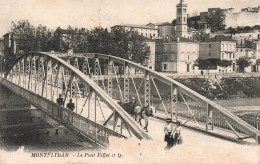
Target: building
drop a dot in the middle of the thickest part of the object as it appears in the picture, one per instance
(251, 9)
(220, 48)
(1, 47)
(146, 31)
(181, 20)
(9, 45)
(164, 29)
(256, 48)
(204, 26)
(176, 55)
(151, 60)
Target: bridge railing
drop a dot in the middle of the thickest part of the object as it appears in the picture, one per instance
(96, 133)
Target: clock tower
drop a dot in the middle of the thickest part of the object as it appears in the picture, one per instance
(181, 25)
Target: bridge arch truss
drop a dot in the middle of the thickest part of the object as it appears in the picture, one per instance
(122, 79)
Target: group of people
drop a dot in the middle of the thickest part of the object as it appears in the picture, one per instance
(70, 105)
(172, 134)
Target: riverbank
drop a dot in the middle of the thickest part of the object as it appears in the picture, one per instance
(36, 132)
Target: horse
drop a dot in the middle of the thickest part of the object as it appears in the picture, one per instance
(143, 112)
(128, 107)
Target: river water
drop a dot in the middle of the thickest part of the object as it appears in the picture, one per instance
(36, 131)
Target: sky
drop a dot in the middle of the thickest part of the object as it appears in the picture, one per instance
(104, 13)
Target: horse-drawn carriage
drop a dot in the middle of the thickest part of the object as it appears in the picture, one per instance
(138, 112)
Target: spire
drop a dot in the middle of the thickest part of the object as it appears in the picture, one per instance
(181, 1)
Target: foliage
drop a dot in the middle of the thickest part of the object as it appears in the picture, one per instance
(23, 33)
(216, 21)
(224, 63)
(206, 63)
(232, 30)
(250, 86)
(243, 62)
(125, 44)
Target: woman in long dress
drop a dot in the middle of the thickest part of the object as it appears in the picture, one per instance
(177, 134)
(168, 128)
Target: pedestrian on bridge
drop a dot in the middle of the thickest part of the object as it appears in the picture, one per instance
(60, 100)
(168, 129)
(70, 105)
(177, 134)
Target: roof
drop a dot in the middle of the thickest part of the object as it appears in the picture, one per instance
(220, 38)
(164, 24)
(135, 26)
(173, 39)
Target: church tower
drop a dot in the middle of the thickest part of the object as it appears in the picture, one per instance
(181, 25)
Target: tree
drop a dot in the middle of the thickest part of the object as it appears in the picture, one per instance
(224, 63)
(206, 64)
(124, 44)
(216, 21)
(243, 62)
(24, 35)
(232, 30)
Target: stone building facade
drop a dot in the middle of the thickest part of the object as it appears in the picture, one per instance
(176, 55)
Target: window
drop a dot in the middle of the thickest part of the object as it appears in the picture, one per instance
(230, 56)
(164, 66)
(184, 19)
(222, 46)
(209, 54)
(179, 10)
(188, 57)
(209, 45)
(226, 47)
(222, 55)
(179, 19)
(241, 50)
(184, 10)
(233, 56)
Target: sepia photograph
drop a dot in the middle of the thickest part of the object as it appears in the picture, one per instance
(130, 81)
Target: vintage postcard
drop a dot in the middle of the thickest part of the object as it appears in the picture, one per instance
(120, 81)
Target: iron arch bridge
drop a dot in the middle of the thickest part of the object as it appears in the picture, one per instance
(95, 82)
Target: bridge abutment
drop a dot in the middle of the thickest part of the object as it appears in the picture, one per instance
(8, 100)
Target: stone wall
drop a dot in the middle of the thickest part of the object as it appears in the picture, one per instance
(242, 19)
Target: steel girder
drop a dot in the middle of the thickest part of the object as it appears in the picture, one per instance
(176, 88)
(46, 67)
